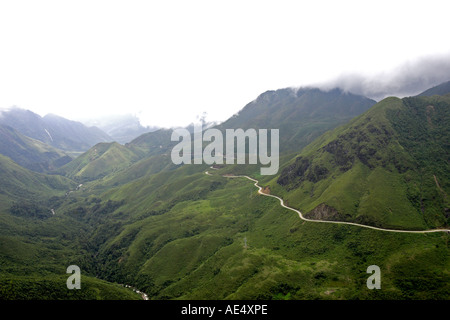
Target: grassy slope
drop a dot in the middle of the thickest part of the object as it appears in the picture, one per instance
(34, 255)
(99, 161)
(36, 246)
(368, 172)
(300, 115)
(181, 234)
(113, 164)
(442, 89)
(19, 183)
(195, 250)
(54, 288)
(152, 143)
(29, 153)
(194, 247)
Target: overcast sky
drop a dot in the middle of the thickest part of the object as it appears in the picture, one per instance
(170, 61)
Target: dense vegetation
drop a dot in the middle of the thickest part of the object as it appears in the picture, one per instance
(54, 288)
(29, 153)
(175, 232)
(388, 167)
(301, 115)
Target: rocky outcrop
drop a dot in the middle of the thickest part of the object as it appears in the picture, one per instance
(325, 212)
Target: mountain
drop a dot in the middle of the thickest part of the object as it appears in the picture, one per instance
(183, 234)
(20, 184)
(192, 232)
(53, 288)
(152, 143)
(53, 130)
(73, 135)
(301, 115)
(100, 160)
(121, 128)
(120, 162)
(37, 241)
(388, 167)
(30, 153)
(442, 89)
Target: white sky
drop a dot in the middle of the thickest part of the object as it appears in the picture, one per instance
(169, 61)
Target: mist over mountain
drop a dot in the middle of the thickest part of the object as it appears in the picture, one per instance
(53, 130)
(121, 128)
(409, 79)
(442, 89)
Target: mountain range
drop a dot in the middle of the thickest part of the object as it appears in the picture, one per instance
(302, 114)
(388, 167)
(30, 153)
(124, 213)
(121, 128)
(53, 130)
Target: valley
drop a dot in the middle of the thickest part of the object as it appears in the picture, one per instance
(360, 183)
(328, 221)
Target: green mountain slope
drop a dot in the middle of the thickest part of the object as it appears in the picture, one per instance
(176, 232)
(100, 160)
(20, 184)
(143, 168)
(54, 288)
(38, 241)
(388, 167)
(182, 234)
(300, 115)
(112, 164)
(152, 143)
(442, 89)
(187, 235)
(29, 153)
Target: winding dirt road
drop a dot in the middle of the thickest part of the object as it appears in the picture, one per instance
(328, 221)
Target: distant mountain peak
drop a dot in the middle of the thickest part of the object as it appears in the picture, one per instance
(301, 114)
(441, 89)
(269, 95)
(52, 115)
(53, 130)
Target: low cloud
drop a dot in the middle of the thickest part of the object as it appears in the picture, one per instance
(6, 109)
(408, 79)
